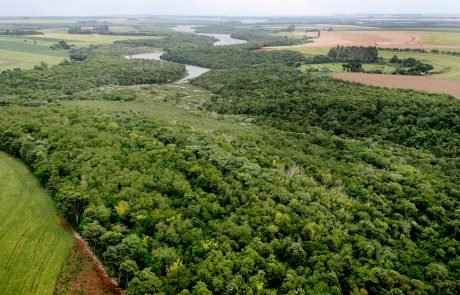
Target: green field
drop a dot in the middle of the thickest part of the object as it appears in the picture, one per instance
(337, 67)
(33, 244)
(26, 51)
(447, 65)
(176, 104)
(441, 37)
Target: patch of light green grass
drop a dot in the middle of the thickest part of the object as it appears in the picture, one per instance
(33, 244)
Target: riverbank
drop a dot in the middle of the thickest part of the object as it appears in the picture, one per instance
(192, 71)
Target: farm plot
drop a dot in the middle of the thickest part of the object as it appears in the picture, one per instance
(26, 51)
(428, 84)
(33, 244)
(421, 39)
(446, 66)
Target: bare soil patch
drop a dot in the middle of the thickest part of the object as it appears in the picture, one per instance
(428, 84)
(384, 39)
(83, 273)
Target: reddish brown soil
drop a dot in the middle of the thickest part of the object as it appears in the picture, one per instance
(384, 39)
(428, 84)
(83, 273)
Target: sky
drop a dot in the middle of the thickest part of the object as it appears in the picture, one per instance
(223, 7)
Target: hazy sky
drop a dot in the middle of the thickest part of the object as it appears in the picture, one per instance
(222, 7)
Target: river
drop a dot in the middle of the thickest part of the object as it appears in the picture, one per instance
(192, 71)
(224, 39)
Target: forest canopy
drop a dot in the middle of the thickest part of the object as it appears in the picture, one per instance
(313, 185)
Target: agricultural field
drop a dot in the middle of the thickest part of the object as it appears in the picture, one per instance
(33, 244)
(83, 40)
(368, 36)
(337, 67)
(428, 84)
(447, 66)
(26, 51)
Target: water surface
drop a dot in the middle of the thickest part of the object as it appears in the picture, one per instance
(192, 71)
(224, 39)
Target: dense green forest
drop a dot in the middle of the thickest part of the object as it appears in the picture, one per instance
(360, 54)
(64, 80)
(307, 212)
(294, 101)
(334, 187)
(173, 40)
(219, 57)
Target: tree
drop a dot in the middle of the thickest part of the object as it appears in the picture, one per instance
(92, 233)
(353, 67)
(145, 282)
(72, 203)
(201, 289)
(410, 62)
(128, 268)
(395, 59)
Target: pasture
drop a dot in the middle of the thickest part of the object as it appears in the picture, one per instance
(448, 66)
(173, 103)
(23, 52)
(26, 51)
(33, 244)
(337, 67)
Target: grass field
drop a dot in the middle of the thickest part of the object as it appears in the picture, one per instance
(84, 39)
(26, 51)
(440, 37)
(337, 67)
(174, 104)
(447, 65)
(33, 244)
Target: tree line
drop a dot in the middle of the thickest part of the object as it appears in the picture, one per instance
(419, 50)
(19, 32)
(354, 54)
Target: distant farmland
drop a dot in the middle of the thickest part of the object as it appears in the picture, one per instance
(427, 84)
(26, 51)
(33, 244)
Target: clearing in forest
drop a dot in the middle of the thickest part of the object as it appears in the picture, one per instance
(33, 244)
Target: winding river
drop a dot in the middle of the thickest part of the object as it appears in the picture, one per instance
(224, 39)
(192, 71)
